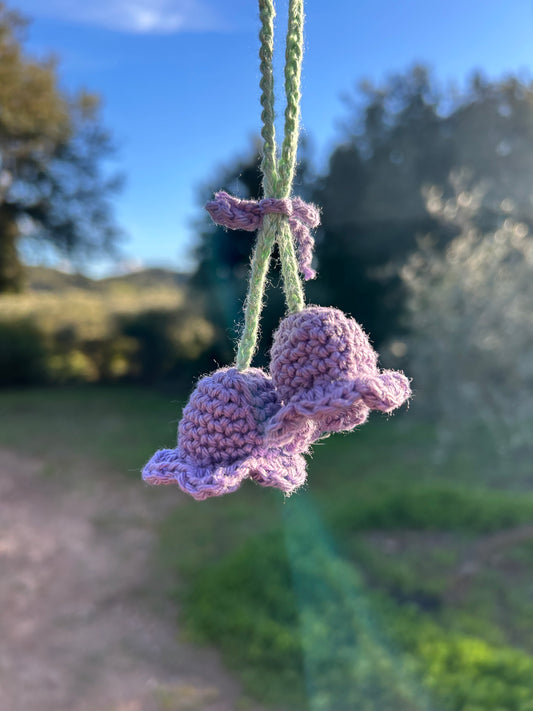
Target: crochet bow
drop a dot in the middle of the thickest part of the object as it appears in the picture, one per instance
(237, 214)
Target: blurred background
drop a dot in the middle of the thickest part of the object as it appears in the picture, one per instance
(401, 577)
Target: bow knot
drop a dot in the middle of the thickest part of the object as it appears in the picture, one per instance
(237, 214)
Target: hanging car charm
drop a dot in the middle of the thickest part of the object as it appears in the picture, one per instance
(241, 422)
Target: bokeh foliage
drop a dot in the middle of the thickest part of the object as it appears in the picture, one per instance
(54, 186)
(107, 331)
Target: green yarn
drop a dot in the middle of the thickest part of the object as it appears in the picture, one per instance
(293, 73)
(256, 290)
(267, 234)
(277, 180)
(266, 84)
(292, 284)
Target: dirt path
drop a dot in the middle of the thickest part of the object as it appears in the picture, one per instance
(84, 626)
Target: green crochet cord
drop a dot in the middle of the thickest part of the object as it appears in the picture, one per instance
(293, 70)
(277, 180)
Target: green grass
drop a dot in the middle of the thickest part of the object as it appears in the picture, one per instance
(116, 425)
(425, 506)
(306, 631)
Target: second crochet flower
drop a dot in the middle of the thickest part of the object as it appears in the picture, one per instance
(326, 374)
(221, 439)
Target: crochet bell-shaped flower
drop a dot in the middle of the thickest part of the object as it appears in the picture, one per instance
(221, 439)
(326, 374)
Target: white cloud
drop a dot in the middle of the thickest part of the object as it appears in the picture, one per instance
(133, 16)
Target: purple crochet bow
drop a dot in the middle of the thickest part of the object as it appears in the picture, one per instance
(237, 214)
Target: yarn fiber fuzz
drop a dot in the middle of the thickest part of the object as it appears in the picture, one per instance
(221, 439)
(326, 373)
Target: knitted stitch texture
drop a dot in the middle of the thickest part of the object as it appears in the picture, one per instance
(326, 374)
(221, 439)
(237, 214)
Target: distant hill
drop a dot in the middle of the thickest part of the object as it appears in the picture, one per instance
(45, 279)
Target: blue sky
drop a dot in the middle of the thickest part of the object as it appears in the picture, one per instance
(179, 82)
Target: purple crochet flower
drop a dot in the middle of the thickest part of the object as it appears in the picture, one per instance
(326, 373)
(221, 439)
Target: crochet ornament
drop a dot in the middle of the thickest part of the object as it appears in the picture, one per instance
(241, 422)
(326, 374)
(221, 439)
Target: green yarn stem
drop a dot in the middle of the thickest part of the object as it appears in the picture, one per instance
(267, 14)
(292, 284)
(293, 73)
(267, 234)
(256, 290)
(276, 183)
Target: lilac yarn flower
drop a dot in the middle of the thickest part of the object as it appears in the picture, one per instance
(221, 439)
(327, 376)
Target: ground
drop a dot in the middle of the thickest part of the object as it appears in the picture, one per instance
(86, 623)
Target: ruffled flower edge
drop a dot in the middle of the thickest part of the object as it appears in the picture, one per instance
(338, 406)
(268, 467)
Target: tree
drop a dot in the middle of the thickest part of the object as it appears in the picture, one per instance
(471, 324)
(52, 183)
(401, 137)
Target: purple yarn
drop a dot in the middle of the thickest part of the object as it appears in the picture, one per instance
(238, 214)
(221, 439)
(326, 374)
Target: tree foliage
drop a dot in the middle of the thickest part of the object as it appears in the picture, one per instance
(471, 325)
(53, 185)
(402, 137)
(399, 138)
